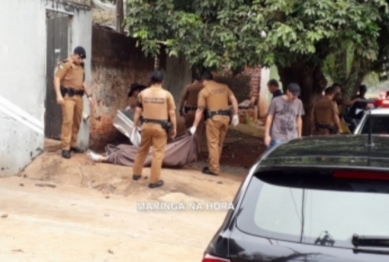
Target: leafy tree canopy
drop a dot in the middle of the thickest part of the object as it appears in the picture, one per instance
(218, 33)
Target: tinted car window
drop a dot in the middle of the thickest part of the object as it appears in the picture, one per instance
(380, 125)
(319, 211)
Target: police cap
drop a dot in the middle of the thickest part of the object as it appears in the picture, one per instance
(79, 50)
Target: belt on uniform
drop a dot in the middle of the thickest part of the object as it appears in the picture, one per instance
(166, 124)
(220, 113)
(154, 121)
(71, 91)
(330, 128)
(190, 108)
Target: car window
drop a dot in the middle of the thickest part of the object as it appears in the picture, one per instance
(379, 125)
(325, 211)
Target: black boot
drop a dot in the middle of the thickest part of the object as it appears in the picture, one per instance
(155, 185)
(207, 171)
(136, 177)
(76, 150)
(66, 154)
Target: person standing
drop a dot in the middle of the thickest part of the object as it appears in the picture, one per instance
(188, 106)
(132, 97)
(284, 119)
(274, 88)
(325, 115)
(214, 98)
(159, 121)
(70, 86)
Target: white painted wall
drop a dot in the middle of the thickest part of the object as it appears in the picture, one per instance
(23, 77)
(23, 80)
(264, 101)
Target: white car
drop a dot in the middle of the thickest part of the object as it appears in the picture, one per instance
(379, 124)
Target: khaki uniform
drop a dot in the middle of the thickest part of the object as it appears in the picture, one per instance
(71, 76)
(190, 96)
(323, 116)
(214, 97)
(156, 103)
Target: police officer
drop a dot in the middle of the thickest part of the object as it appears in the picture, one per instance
(159, 121)
(325, 115)
(214, 98)
(188, 106)
(70, 86)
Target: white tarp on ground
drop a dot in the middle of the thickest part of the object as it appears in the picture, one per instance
(123, 122)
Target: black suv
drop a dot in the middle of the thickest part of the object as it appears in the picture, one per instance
(311, 199)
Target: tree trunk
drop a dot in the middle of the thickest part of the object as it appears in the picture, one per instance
(178, 74)
(312, 82)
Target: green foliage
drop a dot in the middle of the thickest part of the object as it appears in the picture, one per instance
(227, 33)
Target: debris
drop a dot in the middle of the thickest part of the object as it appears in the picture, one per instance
(18, 250)
(25, 176)
(146, 177)
(4, 216)
(219, 182)
(21, 185)
(46, 185)
(107, 197)
(106, 215)
(110, 251)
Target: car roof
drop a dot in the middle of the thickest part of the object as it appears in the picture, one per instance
(379, 111)
(342, 151)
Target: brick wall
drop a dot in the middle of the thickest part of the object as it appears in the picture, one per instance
(243, 83)
(116, 64)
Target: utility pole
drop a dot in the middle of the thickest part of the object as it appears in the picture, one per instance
(119, 16)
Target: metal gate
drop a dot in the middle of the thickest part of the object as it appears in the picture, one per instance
(58, 31)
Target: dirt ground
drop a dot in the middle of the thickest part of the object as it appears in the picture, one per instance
(77, 210)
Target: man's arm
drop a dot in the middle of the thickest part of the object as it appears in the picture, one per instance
(299, 119)
(234, 103)
(88, 93)
(59, 75)
(172, 115)
(57, 84)
(336, 118)
(138, 112)
(199, 116)
(312, 119)
(299, 126)
(183, 100)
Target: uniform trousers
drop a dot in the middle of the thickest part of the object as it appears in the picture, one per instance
(71, 120)
(216, 130)
(152, 135)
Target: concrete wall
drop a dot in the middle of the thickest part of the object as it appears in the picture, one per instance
(116, 64)
(23, 82)
(23, 77)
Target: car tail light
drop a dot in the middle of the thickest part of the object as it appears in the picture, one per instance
(209, 258)
(381, 103)
(361, 175)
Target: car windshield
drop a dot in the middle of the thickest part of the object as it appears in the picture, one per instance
(314, 208)
(379, 125)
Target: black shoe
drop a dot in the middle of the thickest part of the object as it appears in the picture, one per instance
(209, 172)
(66, 154)
(205, 168)
(76, 150)
(136, 177)
(155, 185)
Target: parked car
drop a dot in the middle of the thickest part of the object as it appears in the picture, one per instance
(313, 199)
(353, 116)
(379, 124)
